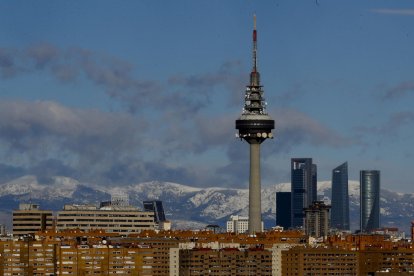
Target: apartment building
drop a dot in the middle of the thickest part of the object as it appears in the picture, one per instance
(226, 261)
(337, 261)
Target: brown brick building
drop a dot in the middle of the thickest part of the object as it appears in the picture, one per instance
(227, 261)
(335, 261)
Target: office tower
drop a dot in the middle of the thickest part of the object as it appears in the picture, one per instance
(283, 207)
(156, 207)
(340, 198)
(29, 219)
(314, 186)
(317, 219)
(370, 198)
(303, 188)
(254, 126)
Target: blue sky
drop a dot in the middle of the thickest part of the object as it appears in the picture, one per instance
(120, 92)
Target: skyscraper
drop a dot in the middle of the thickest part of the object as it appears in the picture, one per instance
(340, 198)
(156, 207)
(303, 188)
(283, 207)
(314, 186)
(254, 126)
(370, 198)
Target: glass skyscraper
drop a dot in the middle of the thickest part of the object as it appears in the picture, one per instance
(156, 207)
(370, 198)
(303, 188)
(340, 198)
(283, 209)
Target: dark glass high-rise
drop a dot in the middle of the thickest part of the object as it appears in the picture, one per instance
(370, 199)
(283, 209)
(156, 207)
(303, 188)
(340, 198)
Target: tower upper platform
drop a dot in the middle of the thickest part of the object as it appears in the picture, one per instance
(254, 125)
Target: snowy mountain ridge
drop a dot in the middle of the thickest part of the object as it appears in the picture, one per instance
(185, 203)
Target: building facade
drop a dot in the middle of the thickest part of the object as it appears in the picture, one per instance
(303, 189)
(153, 253)
(111, 219)
(317, 219)
(237, 224)
(370, 200)
(339, 261)
(47, 257)
(226, 261)
(283, 209)
(319, 261)
(340, 198)
(30, 219)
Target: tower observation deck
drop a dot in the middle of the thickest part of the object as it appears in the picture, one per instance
(254, 126)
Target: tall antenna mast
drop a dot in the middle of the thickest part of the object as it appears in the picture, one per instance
(254, 45)
(254, 126)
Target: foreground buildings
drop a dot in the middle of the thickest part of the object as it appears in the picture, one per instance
(76, 252)
(226, 261)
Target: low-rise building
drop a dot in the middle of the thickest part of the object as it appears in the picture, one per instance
(238, 224)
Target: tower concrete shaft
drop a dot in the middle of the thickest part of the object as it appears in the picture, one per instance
(254, 126)
(255, 208)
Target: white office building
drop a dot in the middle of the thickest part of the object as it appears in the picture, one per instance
(238, 224)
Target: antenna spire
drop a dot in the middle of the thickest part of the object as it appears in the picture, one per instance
(254, 21)
(254, 75)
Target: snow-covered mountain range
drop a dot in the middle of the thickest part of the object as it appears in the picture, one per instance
(186, 206)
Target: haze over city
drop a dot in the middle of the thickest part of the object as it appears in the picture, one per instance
(126, 92)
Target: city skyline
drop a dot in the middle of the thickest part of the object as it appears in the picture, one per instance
(115, 94)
